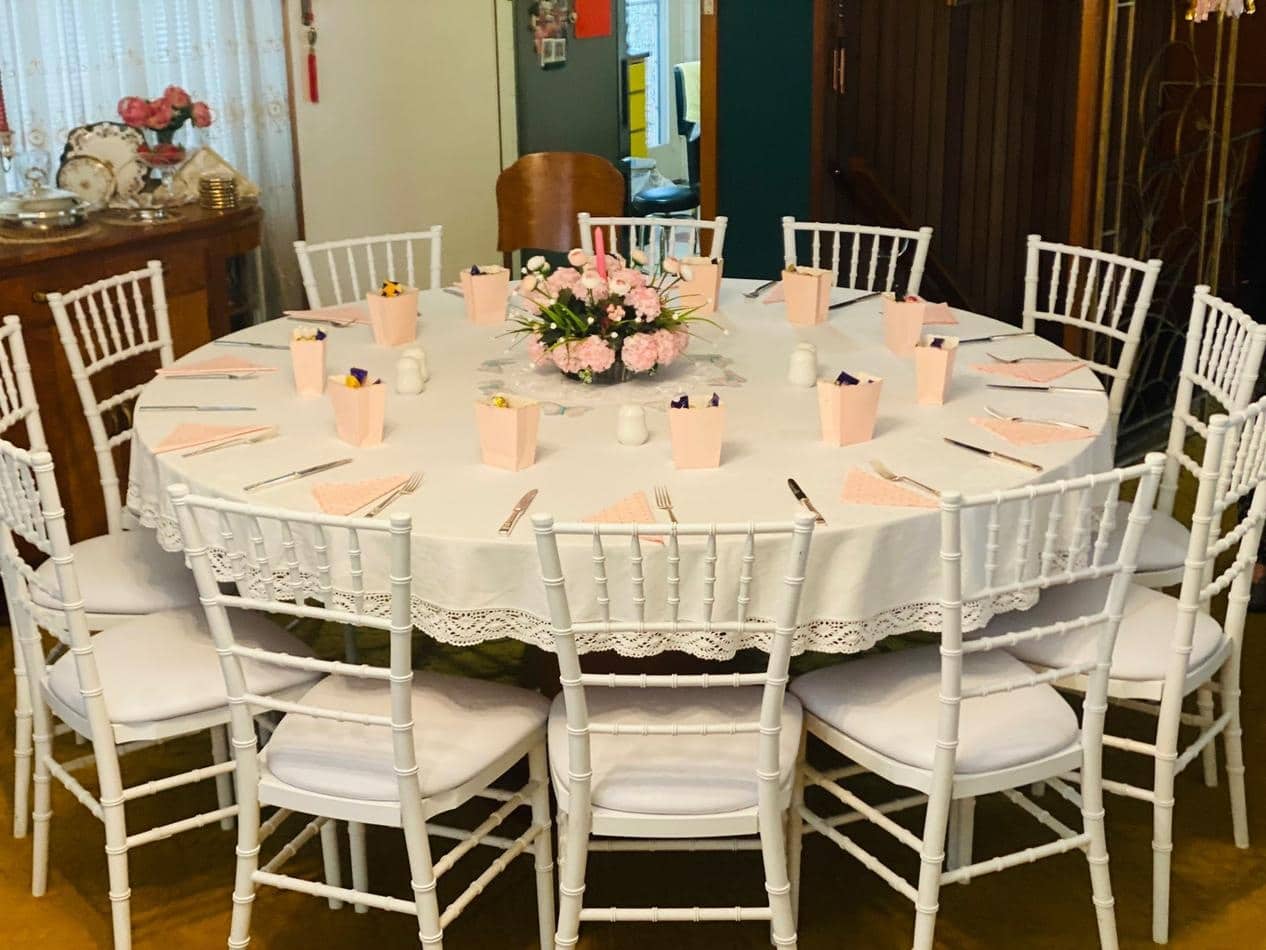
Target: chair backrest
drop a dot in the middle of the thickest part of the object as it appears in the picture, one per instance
(539, 196)
(17, 392)
(658, 237)
(102, 325)
(734, 545)
(873, 259)
(1220, 366)
(262, 545)
(1092, 291)
(31, 509)
(1036, 538)
(686, 88)
(346, 270)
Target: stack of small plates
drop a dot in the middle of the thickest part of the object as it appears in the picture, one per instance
(218, 192)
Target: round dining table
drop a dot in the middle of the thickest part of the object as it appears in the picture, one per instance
(874, 569)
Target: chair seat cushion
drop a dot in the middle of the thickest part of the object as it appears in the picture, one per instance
(460, 727)
(673, 775)
(1143, 639)
(1165, 541)
(162, 666)
(666, 198)
(123, 573)
(890, 703)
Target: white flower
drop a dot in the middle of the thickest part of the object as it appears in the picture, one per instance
(619, 287)
(614, 334)
(553, 326)
(639, 256)
(529, 283)
(577, 258)
(687, 273)
(591, 321)
(591, 280)
(671, 265)
(537, 264)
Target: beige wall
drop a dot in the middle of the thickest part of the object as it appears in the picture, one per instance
(406, 132)
(683, 46)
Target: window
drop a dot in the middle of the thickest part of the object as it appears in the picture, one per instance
(646, 26)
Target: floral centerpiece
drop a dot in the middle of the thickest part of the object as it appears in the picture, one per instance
(164, 116)
(603, 318)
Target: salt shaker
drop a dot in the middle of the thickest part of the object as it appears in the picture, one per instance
(409, 378)
(418, 355)
(631, 428)
(802, 370)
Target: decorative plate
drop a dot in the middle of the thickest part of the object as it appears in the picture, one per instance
(115, 144)
(88, 177)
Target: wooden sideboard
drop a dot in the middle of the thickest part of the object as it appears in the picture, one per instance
(196, 252)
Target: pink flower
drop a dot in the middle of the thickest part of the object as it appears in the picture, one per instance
(665, 346)
(537, 351)
(682, 339)
(645, 301)
(634, 278)
(134, 111)
(615, 313)
(565, 278)
(671, 265)
(640, 352)
(201, 115)
(160, 114)
(176, 97)
(577, 258)
(566, 357)
(596, 354)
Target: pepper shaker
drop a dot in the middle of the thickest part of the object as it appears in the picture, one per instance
(631, 427)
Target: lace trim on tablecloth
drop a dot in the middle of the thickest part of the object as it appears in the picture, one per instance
(470, 627)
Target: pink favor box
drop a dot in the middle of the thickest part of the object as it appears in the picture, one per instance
(307, 360)
(487, 296)
(807, 291)
(358, 413)
(848, 412)
(697, 435)
(903, 325)
(394, 319)
(702, 291)
(507, 435)
(933, 367)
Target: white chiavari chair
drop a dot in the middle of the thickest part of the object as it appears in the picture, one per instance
(1169, 648)
(860, 256)
(18, 405)
(124, 689)
(1091, 291)
(658, 237)
(965, 718)
(674, 762)
(367, 744)
(107, 326)
(350, 268)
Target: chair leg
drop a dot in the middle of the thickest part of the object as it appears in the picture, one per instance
(247, 852)
(23, 748)
(360, 862)
(351, 649)
(1209, 755)
(330, 858)
(571, 876)
(777, 885)
(962, 830)
(117, 864)
(538, 769)
(562, 850)
(422, 878)
(795, 831)
(1234, 749)
(42, 812)
(1092, 816)
(1162, 846)
(223, 783)
(931, 862)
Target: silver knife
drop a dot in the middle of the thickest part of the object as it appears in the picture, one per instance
(1000, 456)
(848, 303)
(804, 499)
(516, 513)
(268, 433)
(295, 475)
(260, 346)
(1042, 388)
(996, 336)
(197, 408)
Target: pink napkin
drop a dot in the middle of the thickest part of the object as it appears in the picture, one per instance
(635, 509)
(1032, 371)
(863, 488)
(1031, 433)
(342, 498)
(775, 294)
(340, 316)
(215, 366)
(192, 435)
(939, 316)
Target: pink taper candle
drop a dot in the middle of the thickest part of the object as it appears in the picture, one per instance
(600, 252)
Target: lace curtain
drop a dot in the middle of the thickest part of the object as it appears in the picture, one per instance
(65, 63)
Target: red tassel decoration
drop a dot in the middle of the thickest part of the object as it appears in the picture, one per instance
(312, 78)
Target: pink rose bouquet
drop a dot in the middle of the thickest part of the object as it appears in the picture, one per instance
(599, 321)
(165, 116)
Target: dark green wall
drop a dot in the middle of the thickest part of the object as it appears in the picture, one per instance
(764, 108)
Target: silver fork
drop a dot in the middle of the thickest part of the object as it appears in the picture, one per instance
(408, 488)
(884, 472)
(664, 502)
(1047, 422)
(1031, 359)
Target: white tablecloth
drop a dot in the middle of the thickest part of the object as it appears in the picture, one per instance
(873, 571)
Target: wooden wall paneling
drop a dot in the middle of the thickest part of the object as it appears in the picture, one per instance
(708, 65)
(1000, 201)
(822, 134)
(922, 86)
(900, 113)
(939, 93)
(1090, 36)
(864, 47)
(951, 195)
